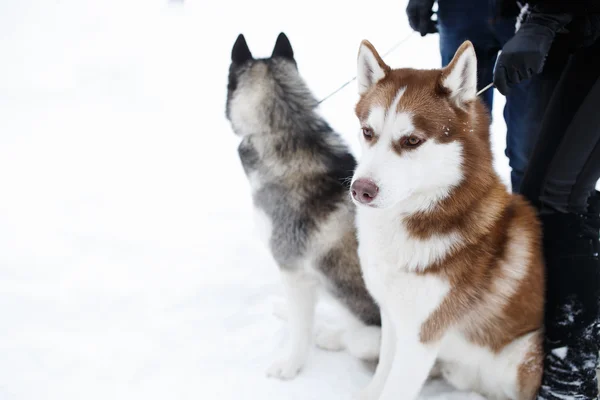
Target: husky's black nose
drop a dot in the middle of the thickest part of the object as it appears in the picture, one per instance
(364, 190)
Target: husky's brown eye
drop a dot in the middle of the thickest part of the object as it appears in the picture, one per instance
(412, 141)
(367, 133)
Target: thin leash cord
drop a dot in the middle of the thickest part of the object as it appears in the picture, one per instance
(353, 79)
(485, 89)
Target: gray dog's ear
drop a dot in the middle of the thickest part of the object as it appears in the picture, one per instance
(240, 52)
(283, 47)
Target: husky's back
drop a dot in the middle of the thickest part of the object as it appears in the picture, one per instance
(299, 171)
(270, 106)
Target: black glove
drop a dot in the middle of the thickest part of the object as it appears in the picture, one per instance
(524, 55)
(419, 16)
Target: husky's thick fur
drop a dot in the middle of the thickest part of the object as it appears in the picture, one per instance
(299, 172)
(452, 259)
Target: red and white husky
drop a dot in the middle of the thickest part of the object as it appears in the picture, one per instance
(452, 258)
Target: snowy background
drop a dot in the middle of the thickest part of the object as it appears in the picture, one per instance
(129, 268)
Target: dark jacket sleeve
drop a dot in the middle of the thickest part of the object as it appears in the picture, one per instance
(584, 29)
(576, 7)
(507, 8)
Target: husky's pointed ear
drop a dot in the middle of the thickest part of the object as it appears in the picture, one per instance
(283, 47)
(371, 67)
(240, 52)
(459, 77)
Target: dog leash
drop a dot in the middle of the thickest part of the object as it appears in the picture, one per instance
(490, 85)
(353, 79)
(485, 89)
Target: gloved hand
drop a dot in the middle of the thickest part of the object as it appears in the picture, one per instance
(524, 55)
(419, 16)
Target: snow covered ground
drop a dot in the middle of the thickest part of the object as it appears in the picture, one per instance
(128, 264)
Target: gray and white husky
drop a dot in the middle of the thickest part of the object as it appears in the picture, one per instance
(299, 171)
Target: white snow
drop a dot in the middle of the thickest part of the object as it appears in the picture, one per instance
(129, 268)
(560, 352)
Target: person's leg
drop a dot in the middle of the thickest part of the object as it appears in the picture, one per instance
(522, 128)
(522, 112)
(575, 168)
(572, 264)
(563, 170)
(460, 20)
(555, 97)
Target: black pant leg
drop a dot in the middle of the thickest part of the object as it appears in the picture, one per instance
(563, 170)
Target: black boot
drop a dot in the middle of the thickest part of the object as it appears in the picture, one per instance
(572, 307)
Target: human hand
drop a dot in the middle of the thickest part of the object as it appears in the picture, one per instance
(525, 54)
(419, 16)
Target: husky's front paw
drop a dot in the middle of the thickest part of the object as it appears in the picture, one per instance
(285, 369)
(329, 339)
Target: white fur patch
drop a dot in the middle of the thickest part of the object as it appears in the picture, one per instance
(252, 94)
(385, 239)
(363, 341)
(468, 366)
(255, 181)
(368, 70)
(300, 290)
(406, 301)
(402, 124)
(515, 267)
(244, 118)
(330, 339)
(397, 124)
(462, 77)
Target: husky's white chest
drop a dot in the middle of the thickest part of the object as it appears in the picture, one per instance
(385, 241)
(378, 255)
(390, 256)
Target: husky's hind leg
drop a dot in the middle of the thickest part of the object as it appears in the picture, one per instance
(300, 291)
